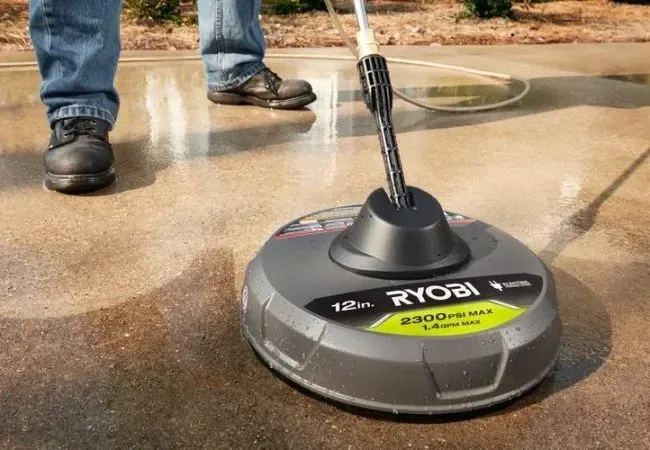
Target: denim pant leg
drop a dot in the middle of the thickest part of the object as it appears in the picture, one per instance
(232, 41)
(77, 46)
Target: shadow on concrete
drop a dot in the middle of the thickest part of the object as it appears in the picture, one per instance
(639, 78)
(579, 223)
(573, 309)
(546, 94)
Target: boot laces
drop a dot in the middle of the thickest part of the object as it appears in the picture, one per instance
(78, 126)
(271, 80)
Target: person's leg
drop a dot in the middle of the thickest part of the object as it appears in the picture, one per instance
(233, 47)
(77, 46)
(232, 42)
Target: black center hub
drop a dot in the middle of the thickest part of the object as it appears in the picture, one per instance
(407, 243)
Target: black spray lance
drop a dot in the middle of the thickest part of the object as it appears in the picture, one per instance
(378, 96)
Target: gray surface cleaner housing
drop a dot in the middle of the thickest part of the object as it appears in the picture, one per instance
(396, 305)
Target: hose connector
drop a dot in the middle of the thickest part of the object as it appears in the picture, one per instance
(367, 43)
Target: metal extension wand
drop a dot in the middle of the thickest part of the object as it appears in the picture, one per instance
(378, 96)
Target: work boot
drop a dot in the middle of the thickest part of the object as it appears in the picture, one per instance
(79, 158)
(268, 90)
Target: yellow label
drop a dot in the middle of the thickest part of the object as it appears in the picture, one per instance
(454, 320)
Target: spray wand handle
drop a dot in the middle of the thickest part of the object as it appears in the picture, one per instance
(378, 97)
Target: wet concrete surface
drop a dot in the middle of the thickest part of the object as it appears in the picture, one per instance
(118, 310)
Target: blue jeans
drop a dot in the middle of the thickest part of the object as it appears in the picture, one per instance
(77, 46)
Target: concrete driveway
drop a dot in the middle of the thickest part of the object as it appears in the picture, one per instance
(118, 310)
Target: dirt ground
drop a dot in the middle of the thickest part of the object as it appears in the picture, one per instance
(397, 23)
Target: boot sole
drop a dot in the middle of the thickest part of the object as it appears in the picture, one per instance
(223, 98)
(79, 184)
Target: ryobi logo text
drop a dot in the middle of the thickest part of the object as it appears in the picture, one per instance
(434, 292)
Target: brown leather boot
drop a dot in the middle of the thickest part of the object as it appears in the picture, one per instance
(268, 90)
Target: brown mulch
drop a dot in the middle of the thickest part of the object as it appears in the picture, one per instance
(396, 23)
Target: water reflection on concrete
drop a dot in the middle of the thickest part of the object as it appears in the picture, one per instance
(452, 93)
